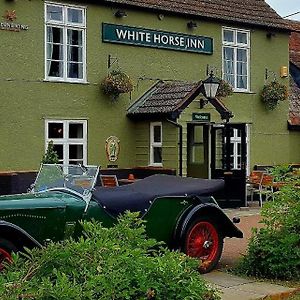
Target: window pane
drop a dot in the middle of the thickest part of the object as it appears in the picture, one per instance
(76, 152)
(198, 154)
(198, 134)
(242, 38)
(75, 131)
(75, 70)
(54, 52)
(74, 37)
(241, 68)
(54, 13)
(242, 82)
(157, 134)
(229, 79)
(55, 130)
(228, 36)
(60, 151)
(75, 15)
(55, 68)
(74, 54)
(157, 155)
(228, 53)
(242, 55)
(54, 35)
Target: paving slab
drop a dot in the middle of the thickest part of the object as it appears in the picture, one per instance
(237, 288)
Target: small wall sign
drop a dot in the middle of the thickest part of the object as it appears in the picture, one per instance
(136, 36)
(201, 117)
(10, 16)
(112, 148)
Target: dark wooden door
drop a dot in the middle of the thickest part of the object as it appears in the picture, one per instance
(229, 162)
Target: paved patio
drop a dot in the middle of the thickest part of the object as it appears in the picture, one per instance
(237, 288)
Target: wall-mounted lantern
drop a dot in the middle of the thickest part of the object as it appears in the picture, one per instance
(191, 24)
(120, 14)
(210, 86)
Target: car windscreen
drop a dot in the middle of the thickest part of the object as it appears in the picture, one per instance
(80, 179)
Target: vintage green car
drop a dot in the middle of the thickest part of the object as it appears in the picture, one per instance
(179, 211)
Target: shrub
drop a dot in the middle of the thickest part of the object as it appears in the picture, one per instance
(274, 251)
(110, 263)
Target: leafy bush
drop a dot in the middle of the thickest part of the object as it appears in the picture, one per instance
(274, 251)
(110, 263)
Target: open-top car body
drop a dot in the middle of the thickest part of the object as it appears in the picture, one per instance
(179, 211)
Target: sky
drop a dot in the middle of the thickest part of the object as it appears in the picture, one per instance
(286, 7)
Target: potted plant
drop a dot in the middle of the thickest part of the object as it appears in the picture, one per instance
(272, 93)
(225, 89)
(116, 83)
(50, 157)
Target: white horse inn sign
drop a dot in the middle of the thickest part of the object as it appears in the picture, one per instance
(136, 36)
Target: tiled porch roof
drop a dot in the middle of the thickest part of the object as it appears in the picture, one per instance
(248, 12)
(165, 98)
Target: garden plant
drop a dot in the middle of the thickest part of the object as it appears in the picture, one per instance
(274, 250)
(108, 263)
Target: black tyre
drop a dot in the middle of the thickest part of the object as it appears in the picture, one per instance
(203, 240)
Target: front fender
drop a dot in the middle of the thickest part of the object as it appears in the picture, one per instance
(18, 236)
(228, 229)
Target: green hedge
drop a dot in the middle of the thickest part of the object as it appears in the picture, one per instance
(109, 263)
(274, 250)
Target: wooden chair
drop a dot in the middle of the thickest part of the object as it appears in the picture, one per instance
(109, 180)
(266, 187)
(253, 184)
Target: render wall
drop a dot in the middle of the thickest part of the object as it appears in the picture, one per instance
(26, 100)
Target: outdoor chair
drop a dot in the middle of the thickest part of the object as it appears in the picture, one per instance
(266, 187)
(109, 180)
(253, 184)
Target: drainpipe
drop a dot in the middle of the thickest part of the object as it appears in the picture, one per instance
(180, 144)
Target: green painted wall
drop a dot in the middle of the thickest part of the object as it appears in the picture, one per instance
(26, 100)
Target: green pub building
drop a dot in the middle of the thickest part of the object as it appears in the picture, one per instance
(55, 55)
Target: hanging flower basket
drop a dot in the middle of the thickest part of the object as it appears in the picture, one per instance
(272, 93)
(116, 83)
(225, 89)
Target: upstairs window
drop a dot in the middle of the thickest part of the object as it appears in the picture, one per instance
(65, 32)
(156, 144)
(236, 50)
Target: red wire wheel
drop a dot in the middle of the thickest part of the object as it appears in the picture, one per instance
(4, 257)
(203, 241)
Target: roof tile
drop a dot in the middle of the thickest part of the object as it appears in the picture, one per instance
(250, 12)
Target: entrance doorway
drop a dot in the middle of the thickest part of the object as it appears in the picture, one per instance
(219, 151)
(198, 150)
(229, 162)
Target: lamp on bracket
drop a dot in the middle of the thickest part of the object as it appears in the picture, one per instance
(120, 14)
(210, 86)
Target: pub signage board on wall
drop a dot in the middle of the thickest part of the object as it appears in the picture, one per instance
(120, 34)
(201, 117)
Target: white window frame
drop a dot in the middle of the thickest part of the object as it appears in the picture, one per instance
(66, 141)
(65, 26)
(235, 45)
(155, 144)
